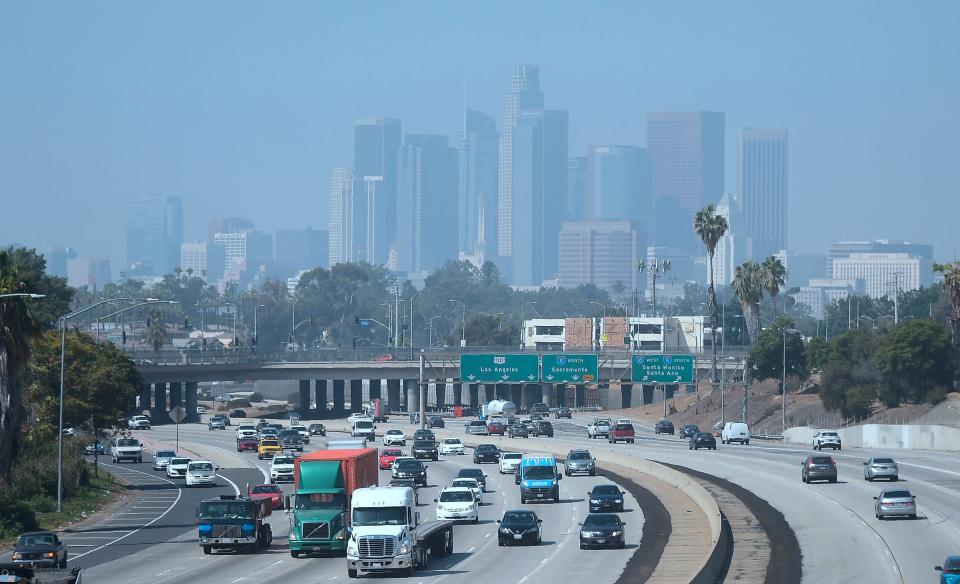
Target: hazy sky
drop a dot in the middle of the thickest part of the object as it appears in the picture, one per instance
(242, 108)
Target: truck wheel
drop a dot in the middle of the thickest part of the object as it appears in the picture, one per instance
(207, 550)
(351, 573)
(294, 554)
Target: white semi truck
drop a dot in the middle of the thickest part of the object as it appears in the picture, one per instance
(499, 408)
(386, 534)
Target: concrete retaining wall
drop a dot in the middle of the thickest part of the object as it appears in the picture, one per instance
(886, 436)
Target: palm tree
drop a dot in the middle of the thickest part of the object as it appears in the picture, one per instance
(156, 334)
(710, 227)
(951, 283)
(748, 287)
(774, 276)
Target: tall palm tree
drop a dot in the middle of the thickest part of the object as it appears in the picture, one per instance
(951, 283)
(710, 227)
(774, 276)
(156, 334)
(748, 287)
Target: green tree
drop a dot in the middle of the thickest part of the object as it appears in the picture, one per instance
(818, 353)
(710, 227)
(748, 288)
(849, 390)
(156, 334)
(766, 355)
(774, 277)
(487, 331)
(951, 287)
(917, 362)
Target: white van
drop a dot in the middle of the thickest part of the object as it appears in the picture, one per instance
(201, 472)
(363, 427)
(735, 432)
(126, 448)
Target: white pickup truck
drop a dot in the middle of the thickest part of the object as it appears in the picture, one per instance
(386, 534)
(599, 428)
(124, 448)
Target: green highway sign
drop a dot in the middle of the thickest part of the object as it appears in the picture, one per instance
(569, 368)
(494, 368)
(662, 369)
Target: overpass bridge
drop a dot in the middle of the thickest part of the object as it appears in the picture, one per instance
(347, 379)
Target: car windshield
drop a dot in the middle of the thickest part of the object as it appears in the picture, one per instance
(477, 423)
(321, 501)
(539, 472)
(883, 461)
(392, 452)
(410, 465)
(269, 443)
(277, 460)
(601, 520)
(177, 461)
(897, 495)
(603, 422)
(166, 454)
(456, 496)
(468, 483)
(518, 517)
(265, 489)
(473, 473)
(829, 434)
(452, 441)
(952, 563)
(606, 490)
(127, 442)
(486, 448)
(581, 455)
(423, 444)
(394, 432)
(364, 425)
(202, 466)
(623, 427)
(225, 509)
(379, 516)
(512, 456)
(821, 460)
(37, 539)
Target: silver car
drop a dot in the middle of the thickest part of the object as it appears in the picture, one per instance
(162, 458)
(899, 503)
(881, 468)
(476, 427)
(580, 461)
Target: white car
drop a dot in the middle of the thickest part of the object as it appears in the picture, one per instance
(735, 432)
(201, 410)
(201, 473)
(177, 468)
(281, 469)
(823, 440)
(451, 446)
(471, 484)
(245, 430)
(304, 433)
(396, 461)
(139, 423)
(457, 504)
(509, 461)
(394, 437)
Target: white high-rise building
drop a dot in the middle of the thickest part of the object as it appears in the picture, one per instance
(202, 260)
(523, 94)
(885, 274)
(341, 216)
(727, 254)
(249, 246)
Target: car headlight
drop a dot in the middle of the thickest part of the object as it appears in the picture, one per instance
(616, 534)
(403, 550)
(17, 556)
(293, 533)
(618, 500)
(352, 547)
(595, 501)
(49, 555)
(504, 530)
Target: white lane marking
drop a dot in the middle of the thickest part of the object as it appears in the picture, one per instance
(238, 579)
(471, 549)
(236, 489)
(486, 536)
(128, 534)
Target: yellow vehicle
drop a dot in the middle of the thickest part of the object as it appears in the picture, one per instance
(268, 447)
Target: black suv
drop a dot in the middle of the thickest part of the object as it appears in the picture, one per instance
(518, 430)
(291, 440)
(412, 469)
(703, 440)
(689, 431)
(425, 449)
(486, 453)
(605, 498)
(435, 422)
(663, 426)
(542, 428)
(238, 414)
(424, 435)
(564, 413)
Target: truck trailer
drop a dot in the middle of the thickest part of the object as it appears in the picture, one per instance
(324, 483)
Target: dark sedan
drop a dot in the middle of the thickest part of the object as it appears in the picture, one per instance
(518, 431)
(317, 430)
(412, 469)
(474, 473)
(663, 426)
(424, 435)
(519, 527)
(689, 431)
(542, 428)
(425, 449)
(564, 413)
(238, 414)
(486, 453)
(436, 422)
(602, 529)
(605, 498)
(703, 440)
(40, 549)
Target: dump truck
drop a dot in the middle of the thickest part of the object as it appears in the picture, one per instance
(324, 483)
(232, 522)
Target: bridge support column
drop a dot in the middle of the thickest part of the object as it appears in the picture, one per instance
(532, 393)
(516, 394)
(356, 396)
(413, 396)
(159, 410)
(146, 390)
(489, 393)
(611, 397)
(626, 390)
(374, 389)
(304, 406)
(458, 394)
(560, 394)
(502, 391)
(191, 399)
(176, 394)
(647, 394)
(580, 396)
(671, 391)
(547, 393)
(393, 395)
(441, 388)
(320, 394)
(339, 389)
(474, 391)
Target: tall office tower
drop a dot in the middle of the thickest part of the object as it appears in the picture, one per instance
(728, 254)
(227, 225)
(687, 150)
(154, 235)
(57, 256)
(301, 249)
(577, 179)
(203, 260)
(342, 224)
(539, 191)
(426, 204)
(247, 248)
(620, 183)
(478, 155)
(522, 94)
(762, 190)
(92, 273)
(376, 148)
(601, 253)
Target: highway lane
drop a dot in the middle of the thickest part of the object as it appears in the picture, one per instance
(475, 546)
(840, 538)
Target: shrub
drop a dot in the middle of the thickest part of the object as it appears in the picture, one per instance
(256, 397)
(16, 516)
(239, 403)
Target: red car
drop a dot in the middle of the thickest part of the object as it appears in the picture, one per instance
(496, 428)
(388, 456)
(247, 443)
(621, 433)
(272, 492)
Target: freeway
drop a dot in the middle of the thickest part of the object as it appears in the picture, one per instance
(475, 551)
(840, 539)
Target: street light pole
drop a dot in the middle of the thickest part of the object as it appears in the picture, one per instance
(523, 322)
(463, 325)
(256, 335)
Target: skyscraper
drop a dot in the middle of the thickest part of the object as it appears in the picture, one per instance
(523, 93)
(601, 253)
(154, 235)
(203, 260)
(478, 156)
(301, 249)
(426, 204)
(539, 191)
(376, 149)
(57, 257)
(577, 203)
(92, 273)
(762, 190)
(620, 183)
(342, 224)
(687, 150)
